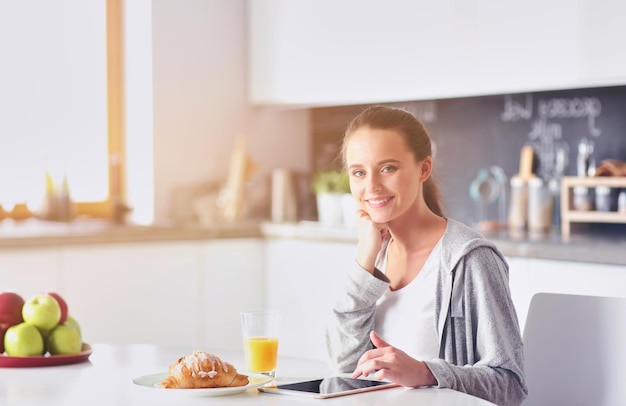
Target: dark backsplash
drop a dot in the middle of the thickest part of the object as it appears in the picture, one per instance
(480, 132)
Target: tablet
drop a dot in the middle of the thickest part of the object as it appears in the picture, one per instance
(328, 387)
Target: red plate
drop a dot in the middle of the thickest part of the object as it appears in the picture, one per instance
(7, 361)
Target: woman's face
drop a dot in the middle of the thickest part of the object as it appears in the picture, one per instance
(384, 177)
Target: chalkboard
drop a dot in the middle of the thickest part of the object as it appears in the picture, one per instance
(473, 133)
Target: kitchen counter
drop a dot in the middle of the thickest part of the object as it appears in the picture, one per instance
(38, 233)
(584, 247)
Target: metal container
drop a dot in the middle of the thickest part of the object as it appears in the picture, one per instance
(540, 204)
(518, 209)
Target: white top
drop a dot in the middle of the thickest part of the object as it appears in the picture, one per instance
(405, 317)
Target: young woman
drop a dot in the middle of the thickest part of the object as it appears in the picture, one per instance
(427, 302)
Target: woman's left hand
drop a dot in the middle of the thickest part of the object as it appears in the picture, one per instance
(390, 363)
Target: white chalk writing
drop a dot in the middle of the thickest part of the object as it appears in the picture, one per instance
(546, 136)
(516, 110)
(577, 107)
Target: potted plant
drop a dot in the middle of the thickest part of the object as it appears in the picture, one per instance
(335, 205)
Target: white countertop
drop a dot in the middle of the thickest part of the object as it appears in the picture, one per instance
(107, 379)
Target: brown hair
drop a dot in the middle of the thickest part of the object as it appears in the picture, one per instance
(415, 136)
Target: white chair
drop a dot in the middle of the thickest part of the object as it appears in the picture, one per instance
(575, 350)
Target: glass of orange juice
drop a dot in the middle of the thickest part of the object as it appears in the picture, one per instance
(260, 341)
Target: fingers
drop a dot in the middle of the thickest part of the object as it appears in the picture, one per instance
(372, 360)
(377, 341)
(390, 363)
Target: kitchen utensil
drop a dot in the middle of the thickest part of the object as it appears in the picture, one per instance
(488, 188)
(484, 189)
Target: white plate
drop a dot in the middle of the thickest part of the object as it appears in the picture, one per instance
(149, 381)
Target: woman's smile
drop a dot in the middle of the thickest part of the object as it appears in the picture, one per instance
(379, 201)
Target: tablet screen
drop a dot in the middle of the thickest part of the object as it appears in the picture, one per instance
(328, 387)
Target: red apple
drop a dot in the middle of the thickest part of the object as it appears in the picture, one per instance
(62, 304)
(10, 309)
(2, 331)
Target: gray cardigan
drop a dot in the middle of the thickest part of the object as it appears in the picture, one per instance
(480, 351)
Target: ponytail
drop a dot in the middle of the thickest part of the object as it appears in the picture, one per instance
(432, 197)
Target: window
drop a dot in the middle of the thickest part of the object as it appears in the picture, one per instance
(61, 102)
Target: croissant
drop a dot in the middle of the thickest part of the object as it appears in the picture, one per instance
(202, 370)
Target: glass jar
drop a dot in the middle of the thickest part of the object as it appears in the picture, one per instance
(582, 199)
(604, 198)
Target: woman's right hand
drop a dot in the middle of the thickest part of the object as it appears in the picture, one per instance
(371, 236)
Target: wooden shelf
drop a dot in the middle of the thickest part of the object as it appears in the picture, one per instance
(570, 215)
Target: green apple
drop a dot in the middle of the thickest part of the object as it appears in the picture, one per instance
(64, 340)
(43, 311)
(71, 322)
(62, 304)
(23, 340)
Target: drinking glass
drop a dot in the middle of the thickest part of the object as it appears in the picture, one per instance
(260, 341)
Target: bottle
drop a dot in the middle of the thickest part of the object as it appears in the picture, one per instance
(621, 202)
(49, 205)
(65, 206)
(518, 209)
(539, 205)
(555, 190)
(284, 200)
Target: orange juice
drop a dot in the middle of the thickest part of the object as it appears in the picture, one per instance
(261, 353)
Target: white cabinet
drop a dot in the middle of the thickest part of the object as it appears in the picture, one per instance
(303, 280)
(172, 293)
(232, 279)
(137, 293)
(529, 276)
(28, 271)
(324, 52)
(191, 292)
